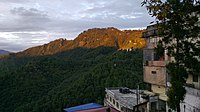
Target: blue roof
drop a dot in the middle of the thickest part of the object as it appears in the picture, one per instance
(83, 107)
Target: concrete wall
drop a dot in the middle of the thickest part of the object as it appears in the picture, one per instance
(161, 90)
(155, 75)
(108, 101)
(192, 100)
(190, 81)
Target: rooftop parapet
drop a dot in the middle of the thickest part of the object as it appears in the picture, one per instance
(151, 30)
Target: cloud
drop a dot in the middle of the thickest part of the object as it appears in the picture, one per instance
(32, 12)
(23, 39)
(22, 19)
(40, 21)
(14, 1)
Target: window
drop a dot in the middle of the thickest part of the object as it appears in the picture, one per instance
(113, 101)
(153, 72)
(110, 99)
(195, 78)
(117, 105)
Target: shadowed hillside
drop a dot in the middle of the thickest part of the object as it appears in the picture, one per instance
(77, 76)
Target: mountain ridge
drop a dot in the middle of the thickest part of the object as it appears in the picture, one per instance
(4, 52)
(91, 38)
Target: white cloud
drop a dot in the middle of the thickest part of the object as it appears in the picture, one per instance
(27, 23)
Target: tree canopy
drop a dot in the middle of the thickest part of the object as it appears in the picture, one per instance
(52, 83)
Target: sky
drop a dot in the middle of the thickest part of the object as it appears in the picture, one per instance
(28, 23)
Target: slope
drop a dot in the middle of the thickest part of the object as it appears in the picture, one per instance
(4, 52)
(92, 38)
(76, 76)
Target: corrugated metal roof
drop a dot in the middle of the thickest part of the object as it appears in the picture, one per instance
(101, 109)
(83, 107)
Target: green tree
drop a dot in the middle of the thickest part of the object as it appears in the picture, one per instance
(179, 26)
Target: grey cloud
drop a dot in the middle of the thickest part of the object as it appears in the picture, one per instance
(7, 45)
(14, 1)
(13, 47)
(118, 9)
(9, 27)
(25, 40)
(32, 12)
(119, 6)
(102, 13)
(28, 20)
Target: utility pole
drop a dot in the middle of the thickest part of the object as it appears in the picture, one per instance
(138, 95)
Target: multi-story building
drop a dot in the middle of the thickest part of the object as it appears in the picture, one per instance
(154, 68)
(155, 74)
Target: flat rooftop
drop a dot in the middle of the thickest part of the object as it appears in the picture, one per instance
(128, 100)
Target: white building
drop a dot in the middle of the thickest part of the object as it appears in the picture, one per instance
(128, 100)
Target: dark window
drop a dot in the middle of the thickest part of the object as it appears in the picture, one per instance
(117, 105)
(153, 72)
(110, 99)
(195, 78)
(113, 101)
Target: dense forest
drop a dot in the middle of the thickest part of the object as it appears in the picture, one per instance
(78, 76)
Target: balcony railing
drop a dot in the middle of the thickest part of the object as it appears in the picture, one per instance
(155, 63)
(150, 33)
(150, 55)
(152, 30)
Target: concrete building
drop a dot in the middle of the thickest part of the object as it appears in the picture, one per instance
(129, 100)
(154, 69)
(155, 74)
(192, 97)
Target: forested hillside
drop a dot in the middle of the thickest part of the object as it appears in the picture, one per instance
(51, 83)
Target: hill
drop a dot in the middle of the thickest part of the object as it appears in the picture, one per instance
(4, 52)
(92, 38)
(77, 76)
(64, 73)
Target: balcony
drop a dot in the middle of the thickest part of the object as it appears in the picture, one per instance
(150, 33)
(155, 63)
(150, 55)
(152, 30)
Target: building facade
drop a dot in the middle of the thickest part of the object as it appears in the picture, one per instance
(155, 74)
(132, 100)
(125, 100)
